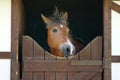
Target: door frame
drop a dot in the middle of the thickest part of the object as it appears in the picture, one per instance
(13, 55)
(107, 39)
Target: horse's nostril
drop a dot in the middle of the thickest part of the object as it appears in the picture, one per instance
(68, 49)
(73, 51)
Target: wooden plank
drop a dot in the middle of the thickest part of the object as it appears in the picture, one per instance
(85, 53)
(86, 62)
(96, 54)
(5, 55)
(107, 37)
(27, 55)
(15, 24)
(15, 70)
(49, 56)
(97, 76)
(51, 65)
(38, 55)
(84, 76)
(27, 76)
(61, 75)
(27, 48)
(115, 58)
(48, 74)
(96, 48)
(73, 74)
(116, 7)
(38, 76)
(38, 52)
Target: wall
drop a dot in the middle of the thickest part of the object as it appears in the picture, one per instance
(5, 25)
(115, 42)
(5, 37)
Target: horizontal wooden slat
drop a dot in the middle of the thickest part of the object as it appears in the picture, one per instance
(51, 65)
(5, 55)
(115, 58)
(86, 62)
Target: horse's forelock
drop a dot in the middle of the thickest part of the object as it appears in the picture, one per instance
(57, 18)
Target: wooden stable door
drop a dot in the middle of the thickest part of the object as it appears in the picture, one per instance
(92, 63)
(38, 64)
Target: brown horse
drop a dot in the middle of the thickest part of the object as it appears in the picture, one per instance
(59, 40)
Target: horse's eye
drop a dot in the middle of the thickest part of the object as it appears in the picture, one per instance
(55, 30)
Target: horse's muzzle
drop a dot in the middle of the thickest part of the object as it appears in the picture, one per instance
(68, 50)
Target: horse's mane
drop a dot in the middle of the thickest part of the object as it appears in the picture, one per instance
(57, 18)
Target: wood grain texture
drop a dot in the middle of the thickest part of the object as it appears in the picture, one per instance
(107, 37)
(38, 55)
(50, 65)
(96, 54)
(48, 74)
(28, 44)
(27, 53)
(116, 7)
(41, 65)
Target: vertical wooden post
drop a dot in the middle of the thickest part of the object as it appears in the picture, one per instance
(14, 40)
(107, 39)
(16, 23)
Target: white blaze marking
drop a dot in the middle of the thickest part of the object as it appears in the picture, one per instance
(68, 43)
(61, 25)
(71, 45)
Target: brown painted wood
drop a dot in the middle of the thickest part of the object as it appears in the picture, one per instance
(44, 66)
(85, 53)
(97, 76)
(5, 55)
(71, 74)
(50, 65)
(116, 7)
(48, 74)
(15, 24)
(27, 53)
(115, 58)
(96, 54)
(96, 48)
(63, 74)
(14, 27)
(107, 37)
(38, 76)
(27, 76)
(86, 62)
(27, 48)
(38, 52)
(38, 55)
(84, 76)
(14, 70)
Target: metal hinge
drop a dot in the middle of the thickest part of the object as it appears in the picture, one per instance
(106, 62)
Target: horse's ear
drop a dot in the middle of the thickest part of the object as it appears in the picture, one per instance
(65, 15)
(45, 19)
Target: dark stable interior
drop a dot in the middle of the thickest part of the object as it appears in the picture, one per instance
(84, 17)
